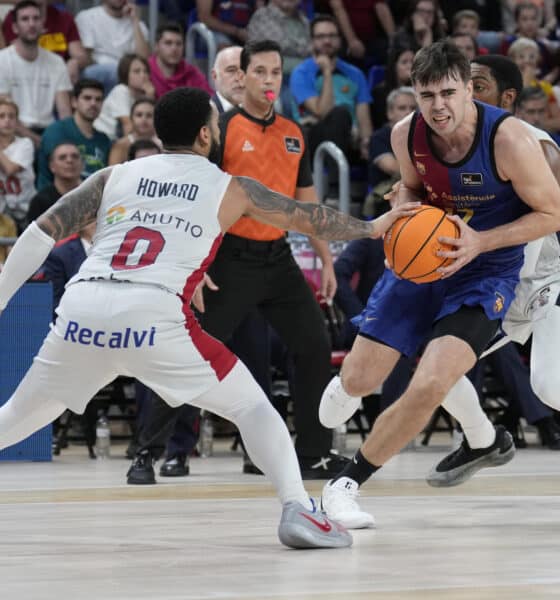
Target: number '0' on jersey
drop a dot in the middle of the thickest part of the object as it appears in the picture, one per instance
(158, 222)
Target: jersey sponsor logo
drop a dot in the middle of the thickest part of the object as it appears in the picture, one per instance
(293, 145)
(538, 302)
(115, 214)
(127, 338)
(247, 147)
(472, 179)
(192, 229)
(152, 188)
(499, 302)
(421, 167)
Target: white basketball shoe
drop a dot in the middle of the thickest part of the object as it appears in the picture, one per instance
(339, 502)
(336, 405)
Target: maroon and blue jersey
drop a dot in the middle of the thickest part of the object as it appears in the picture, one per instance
(472, 187)
(235, 12)
(401, 313)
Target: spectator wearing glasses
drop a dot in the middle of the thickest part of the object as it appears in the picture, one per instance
(422, 26)
(331, 95)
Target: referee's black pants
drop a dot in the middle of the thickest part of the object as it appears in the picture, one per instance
(264, 275)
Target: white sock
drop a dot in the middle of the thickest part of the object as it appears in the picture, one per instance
(463, 404)
(267, 440)
(269, 445)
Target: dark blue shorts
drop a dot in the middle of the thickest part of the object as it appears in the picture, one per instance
(401, 314)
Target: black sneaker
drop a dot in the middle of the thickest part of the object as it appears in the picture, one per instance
(549, 432)
(142, 470)
(175, 466)
(464, 462)
(249, 467)
(322, 467)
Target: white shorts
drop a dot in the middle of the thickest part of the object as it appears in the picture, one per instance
(105, 329)
(533, 299)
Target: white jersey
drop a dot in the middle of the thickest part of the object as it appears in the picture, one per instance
(539, 283)
(17, 190)
(158, 223)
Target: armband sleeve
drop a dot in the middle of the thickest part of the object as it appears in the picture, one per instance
(27, 255)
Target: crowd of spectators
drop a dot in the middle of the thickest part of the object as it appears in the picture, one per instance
(341, 61)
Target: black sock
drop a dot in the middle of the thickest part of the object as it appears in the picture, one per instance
(358, 469)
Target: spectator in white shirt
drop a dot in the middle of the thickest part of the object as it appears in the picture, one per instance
(35, 79)
(109, 32)
(17, 178)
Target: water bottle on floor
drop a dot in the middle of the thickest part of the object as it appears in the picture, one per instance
(339, 438)
(206, 439)
(103, 437)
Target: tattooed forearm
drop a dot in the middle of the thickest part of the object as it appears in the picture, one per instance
(76, 209)
(313, 219)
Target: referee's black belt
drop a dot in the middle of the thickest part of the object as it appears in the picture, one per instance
(262, 247)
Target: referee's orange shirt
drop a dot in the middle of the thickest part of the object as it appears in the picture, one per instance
(271, 151)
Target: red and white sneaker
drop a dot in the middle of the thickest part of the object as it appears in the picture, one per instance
(303, 528)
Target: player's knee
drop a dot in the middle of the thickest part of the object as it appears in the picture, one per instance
(358, 378)
(428, 390)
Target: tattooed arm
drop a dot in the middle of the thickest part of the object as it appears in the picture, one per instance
(76, 209)
(71, 213)
(248, 197)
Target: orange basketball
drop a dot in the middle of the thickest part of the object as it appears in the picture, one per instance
(412, 242)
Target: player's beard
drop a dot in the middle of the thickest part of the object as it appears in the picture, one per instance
(215, 151)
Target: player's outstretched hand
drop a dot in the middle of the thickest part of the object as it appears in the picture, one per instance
(198, 295)
(466, 247)
(400, 193)
(382, 223)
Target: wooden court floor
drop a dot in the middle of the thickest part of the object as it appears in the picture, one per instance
(72, 529)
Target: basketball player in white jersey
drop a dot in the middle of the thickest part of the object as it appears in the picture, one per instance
(160, 220)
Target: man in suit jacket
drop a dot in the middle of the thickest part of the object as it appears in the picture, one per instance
(225, 74)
